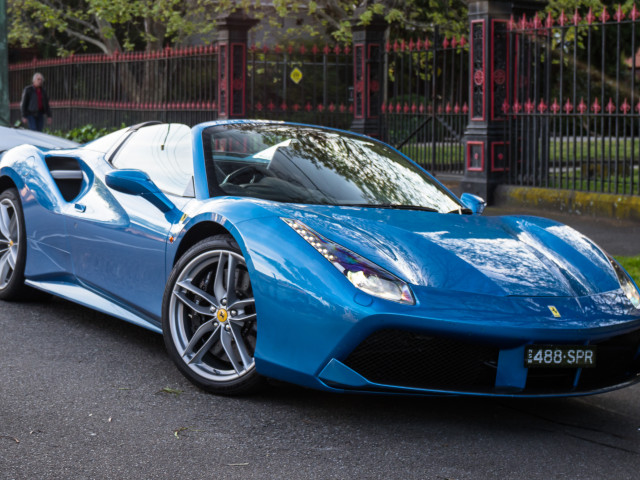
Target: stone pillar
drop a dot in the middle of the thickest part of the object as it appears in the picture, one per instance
(4, 66)
(490, 64)
(368, 46)
(231, 43)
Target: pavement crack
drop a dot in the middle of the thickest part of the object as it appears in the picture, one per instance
(615, 447)
(567, 424)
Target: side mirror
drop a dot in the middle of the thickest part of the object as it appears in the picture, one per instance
(136, 182)
(474, 203)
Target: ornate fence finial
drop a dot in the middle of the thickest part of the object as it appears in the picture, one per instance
(568, 107)
(549, 22)
(625, 107)
(582, 107)
(576, 17)
(562, 19)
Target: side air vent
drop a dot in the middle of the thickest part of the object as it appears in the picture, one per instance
(67, 174)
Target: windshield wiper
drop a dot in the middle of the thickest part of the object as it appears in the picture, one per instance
(390, 206)
(462, 211)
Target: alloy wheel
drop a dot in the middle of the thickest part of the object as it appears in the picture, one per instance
(9, 241)
(212, 316)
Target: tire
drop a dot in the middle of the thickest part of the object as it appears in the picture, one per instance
(210, 331)
(13, 247)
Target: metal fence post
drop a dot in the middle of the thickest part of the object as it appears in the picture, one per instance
(4, 66)
(490, 66)
(232, 64)
(368, 42)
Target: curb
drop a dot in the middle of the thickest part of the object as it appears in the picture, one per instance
(587, 204)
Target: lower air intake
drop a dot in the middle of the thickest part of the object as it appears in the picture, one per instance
(408, 359)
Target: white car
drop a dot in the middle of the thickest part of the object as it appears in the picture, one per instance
(12, 137)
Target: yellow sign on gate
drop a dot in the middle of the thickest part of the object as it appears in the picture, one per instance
(296, 75)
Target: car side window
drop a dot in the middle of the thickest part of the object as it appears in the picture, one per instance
(164, 152)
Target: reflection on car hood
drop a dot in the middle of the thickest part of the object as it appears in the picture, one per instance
(521, 256)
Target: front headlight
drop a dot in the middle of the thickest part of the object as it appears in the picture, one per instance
(363, 274)
(628, 287)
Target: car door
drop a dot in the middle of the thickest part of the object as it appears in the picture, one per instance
(118, 241)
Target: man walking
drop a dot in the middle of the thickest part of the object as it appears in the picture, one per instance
(35, 104)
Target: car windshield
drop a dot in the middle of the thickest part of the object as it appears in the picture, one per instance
(301, 164)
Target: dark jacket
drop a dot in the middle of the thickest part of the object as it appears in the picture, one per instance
(29, 103)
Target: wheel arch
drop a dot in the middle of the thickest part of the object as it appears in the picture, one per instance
(6, 183)
(197, 233)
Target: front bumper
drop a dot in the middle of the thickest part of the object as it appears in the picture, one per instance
(404, 361)
(448, 343)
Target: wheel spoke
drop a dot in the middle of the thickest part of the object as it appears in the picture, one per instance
(202, 330)
(232, 265)
(5, 268)
(244, 303)
(5, 222)
(200, 293)
(218, 283)
(12, 257)
(211, 341)
(239, 319)
(200, 309)
(13, 229)
(236, 331)
(227, 345)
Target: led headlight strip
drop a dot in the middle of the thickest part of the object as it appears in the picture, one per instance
(628, 287)
(362, 273)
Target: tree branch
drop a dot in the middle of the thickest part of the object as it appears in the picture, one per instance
(91, 40)
(320, 13)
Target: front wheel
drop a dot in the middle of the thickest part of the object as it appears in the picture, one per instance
(13, 246)
(209, 319)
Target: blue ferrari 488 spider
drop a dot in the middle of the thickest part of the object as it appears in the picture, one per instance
(317, 257)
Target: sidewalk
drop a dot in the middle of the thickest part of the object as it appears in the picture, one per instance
(616, 229)
(617, 237)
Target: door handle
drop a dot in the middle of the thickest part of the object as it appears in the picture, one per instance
(80, 208)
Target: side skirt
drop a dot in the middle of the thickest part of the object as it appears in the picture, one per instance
(87, 298)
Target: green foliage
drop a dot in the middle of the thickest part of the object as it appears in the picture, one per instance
(632, 266)
(84, 134)
(108, 25)
(120, 25)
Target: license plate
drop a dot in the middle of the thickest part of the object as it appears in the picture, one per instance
(561, 356)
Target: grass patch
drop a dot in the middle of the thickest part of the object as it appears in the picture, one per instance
(624, 185)
(631, 265)
(595, 149)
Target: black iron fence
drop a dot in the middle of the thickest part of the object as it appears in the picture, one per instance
(307, 84)
(547, 101)
(424, 110)
(418, 90)
(170, 85)
(575, 111)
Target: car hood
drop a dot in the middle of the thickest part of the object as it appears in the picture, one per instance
(514, 255)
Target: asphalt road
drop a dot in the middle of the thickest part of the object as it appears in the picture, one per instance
(86, 396)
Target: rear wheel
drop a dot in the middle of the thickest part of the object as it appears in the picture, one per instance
(209, 319)
(13, 246)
